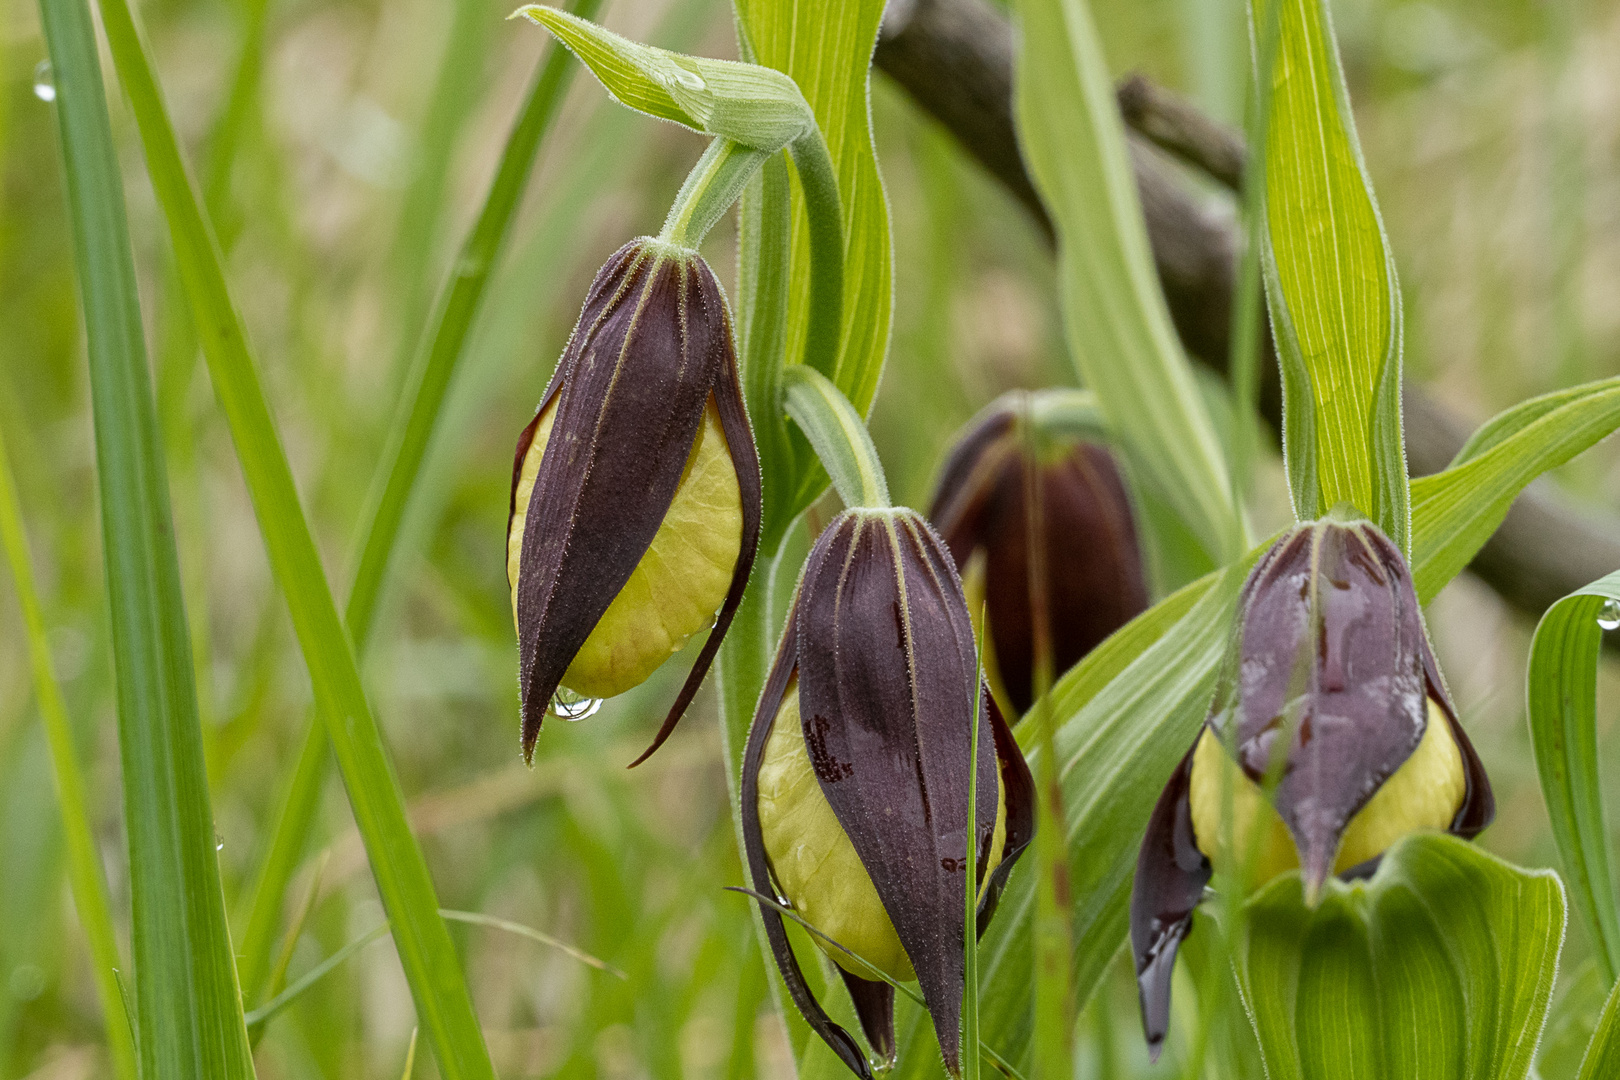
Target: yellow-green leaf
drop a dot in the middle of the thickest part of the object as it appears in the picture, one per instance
(1118, 329)
(1330, 283)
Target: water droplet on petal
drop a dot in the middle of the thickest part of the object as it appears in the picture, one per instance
(1609, 617)
(44, 81)
(567, 705)
(219, 842)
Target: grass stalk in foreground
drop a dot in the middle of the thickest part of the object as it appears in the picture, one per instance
(426, 953)
(400, 465)
(85, 874)
(188, 1009)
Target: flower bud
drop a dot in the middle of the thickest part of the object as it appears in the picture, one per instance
(1006, 480)
(857, 772)
(635, 508)
(1331, 699)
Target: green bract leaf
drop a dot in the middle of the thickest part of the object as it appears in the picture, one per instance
(1330, 282)
(1455, 512)
(187, 1007)
(838, 434)
(1441, 966)
(746, 103)
(1118, 328)
(1562, 699)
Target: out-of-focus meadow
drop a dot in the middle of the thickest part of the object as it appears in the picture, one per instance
(344, 147)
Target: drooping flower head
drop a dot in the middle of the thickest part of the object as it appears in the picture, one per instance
(635, 507)
(1038, 517)
(857, 770)
(1331, 699)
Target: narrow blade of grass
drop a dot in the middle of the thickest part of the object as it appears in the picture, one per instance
(396, 476)
(425, 950)
(187, 1004)
(85, 876)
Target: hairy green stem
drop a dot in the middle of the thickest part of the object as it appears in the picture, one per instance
(818, 180)
(714, 183)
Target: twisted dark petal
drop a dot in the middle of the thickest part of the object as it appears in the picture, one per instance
(874, 1005)
(1019, 788)
(630, 388)
(745, 459)
(1170, 877)
(886, 697)
(1093, 577)
(770, 703)
(1333, 659)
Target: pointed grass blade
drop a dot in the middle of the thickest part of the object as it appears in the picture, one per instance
(427, 385)
(187, 1005)
(85, 874)
(426, 953)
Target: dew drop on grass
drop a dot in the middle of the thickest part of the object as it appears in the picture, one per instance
(1609, 617)
(573, 707)
(44, 81)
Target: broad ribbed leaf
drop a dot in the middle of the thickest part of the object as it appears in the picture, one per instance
(746, 103)
(1455, 512)
(425, 950)
(1441, 966)
(1118, 328)
(1330, 282)
(827, 50)
(1562, 700)
(187, 1007)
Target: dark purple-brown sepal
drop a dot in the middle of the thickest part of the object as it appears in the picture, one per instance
(842, 1042)
(1335, 659)
(1329, 653)
(880, 638)
(653, 342)
(1170, 877)
(1006, 482)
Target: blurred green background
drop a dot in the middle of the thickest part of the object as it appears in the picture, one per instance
(361, 136)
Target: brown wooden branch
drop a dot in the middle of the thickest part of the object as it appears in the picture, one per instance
(954, 57)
